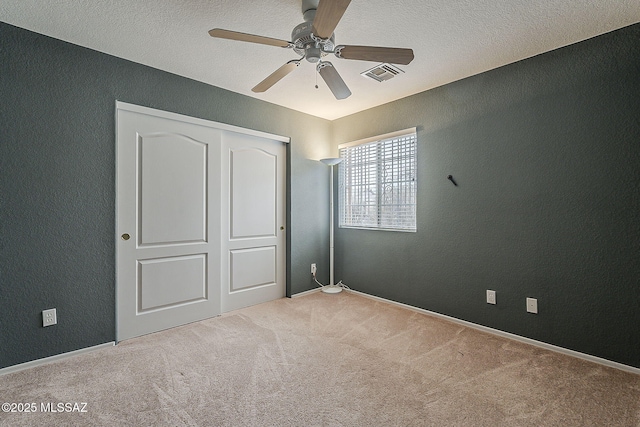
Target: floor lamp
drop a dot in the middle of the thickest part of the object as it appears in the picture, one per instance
(331, 288)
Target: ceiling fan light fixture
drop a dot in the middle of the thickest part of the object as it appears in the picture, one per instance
(313, 54)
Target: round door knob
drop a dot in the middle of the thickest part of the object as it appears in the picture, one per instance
(282, 227)
(125, 236)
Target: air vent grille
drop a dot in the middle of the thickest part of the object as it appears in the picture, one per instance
(382, 72)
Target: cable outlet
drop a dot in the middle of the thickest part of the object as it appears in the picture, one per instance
(491, 297)
(49, 317)
(532, 305)
(313, 269)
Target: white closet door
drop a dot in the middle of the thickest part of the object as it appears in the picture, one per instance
(199, 219)
(168, 223)
(253, 220)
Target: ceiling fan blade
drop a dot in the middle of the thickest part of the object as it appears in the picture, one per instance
(392, 55)
(244, 37)
(331, 77)
(276, 76)
(328, 15)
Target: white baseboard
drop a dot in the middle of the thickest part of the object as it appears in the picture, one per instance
(44, 361)
(557, 349)
(301, 294)
(515, 337)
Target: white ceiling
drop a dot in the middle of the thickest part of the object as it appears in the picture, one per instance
(451, 39)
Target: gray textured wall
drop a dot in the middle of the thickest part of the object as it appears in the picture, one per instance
(57, 183)
(546, 153)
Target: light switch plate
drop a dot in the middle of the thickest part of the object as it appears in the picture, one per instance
(491, 297)
(532, 305)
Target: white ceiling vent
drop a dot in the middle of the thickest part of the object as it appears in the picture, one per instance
(382, 72)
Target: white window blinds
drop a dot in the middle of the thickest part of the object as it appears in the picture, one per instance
(377, 182)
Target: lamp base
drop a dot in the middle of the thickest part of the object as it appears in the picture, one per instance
(331, 289)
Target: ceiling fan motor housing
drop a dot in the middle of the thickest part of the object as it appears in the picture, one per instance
(305, 45)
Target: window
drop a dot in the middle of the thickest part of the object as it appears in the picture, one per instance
(378, 182)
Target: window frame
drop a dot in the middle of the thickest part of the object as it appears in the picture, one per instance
(378, 141)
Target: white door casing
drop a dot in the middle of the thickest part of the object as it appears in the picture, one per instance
(169, 203)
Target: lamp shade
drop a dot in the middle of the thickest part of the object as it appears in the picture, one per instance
(331, 161)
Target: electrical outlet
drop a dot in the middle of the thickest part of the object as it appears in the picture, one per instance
(532, 305)
(49, 317)
(313, 269)
(491, 297)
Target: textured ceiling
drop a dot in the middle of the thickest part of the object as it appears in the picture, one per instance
(451, 39)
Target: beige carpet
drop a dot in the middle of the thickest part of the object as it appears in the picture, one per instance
(325, 360)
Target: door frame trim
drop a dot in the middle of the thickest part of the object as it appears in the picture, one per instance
(194, 120)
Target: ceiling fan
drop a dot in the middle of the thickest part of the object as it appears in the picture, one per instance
(314, 39)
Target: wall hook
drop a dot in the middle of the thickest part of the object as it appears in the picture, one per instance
(450, 178)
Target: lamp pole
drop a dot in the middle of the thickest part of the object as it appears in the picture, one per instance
(331, 288)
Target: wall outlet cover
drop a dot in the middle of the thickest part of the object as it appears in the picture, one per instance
(532, 305)
(49, 317)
